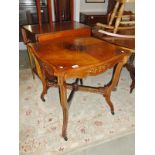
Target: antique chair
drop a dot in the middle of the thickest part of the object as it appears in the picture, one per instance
(120, 30)
(118, 20)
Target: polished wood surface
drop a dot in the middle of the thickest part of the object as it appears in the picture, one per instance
(46, 28)
(33, 31)
(63, 34)
(80, 52)
(78, 57)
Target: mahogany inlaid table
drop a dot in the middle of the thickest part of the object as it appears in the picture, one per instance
(79, 57)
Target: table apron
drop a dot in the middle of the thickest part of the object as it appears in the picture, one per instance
(91, 71)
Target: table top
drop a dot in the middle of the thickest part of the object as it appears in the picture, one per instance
(55, 27)
(76, 53)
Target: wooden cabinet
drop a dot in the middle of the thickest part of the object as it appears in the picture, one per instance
(91, 18)
(28, 16)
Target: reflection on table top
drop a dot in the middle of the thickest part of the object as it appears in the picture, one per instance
(76, 52)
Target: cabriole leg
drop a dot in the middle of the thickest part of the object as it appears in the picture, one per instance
(112, 85)
(64, 105)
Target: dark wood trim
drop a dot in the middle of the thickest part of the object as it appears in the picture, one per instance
(49, 5)
(39, 12)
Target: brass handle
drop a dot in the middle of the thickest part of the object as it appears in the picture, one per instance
(92, 17)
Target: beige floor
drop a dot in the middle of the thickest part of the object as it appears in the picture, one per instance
(124, 145)
(90, 121)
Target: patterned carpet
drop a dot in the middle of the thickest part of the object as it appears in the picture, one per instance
(90, 119)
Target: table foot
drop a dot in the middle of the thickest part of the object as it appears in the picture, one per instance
(113, 113)
(42, 98)
(110, 104)
(65, 138)
(43, 93)
(131, 69)
(132, 86)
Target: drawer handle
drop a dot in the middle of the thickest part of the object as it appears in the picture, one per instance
(92, 17)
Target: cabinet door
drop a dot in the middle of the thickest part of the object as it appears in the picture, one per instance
(32, 17)
(82, 18)
(93, 19)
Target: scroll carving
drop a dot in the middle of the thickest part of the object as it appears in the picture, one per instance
(98, 69)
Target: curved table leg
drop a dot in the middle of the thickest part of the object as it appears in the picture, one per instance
(110, 104)
(112, 85)
(64, 105)
(114, 69)
(131, 69)
(43, 92)
(132, 86)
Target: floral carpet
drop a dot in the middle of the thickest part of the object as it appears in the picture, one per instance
(90, 119)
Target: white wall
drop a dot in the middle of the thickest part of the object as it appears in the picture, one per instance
(101, 6)
(93, 6)
(130, 7)
(76, 10)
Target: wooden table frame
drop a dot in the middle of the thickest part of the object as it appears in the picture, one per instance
(81, 73)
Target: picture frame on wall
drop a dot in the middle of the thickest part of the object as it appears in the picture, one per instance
(95, 1)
